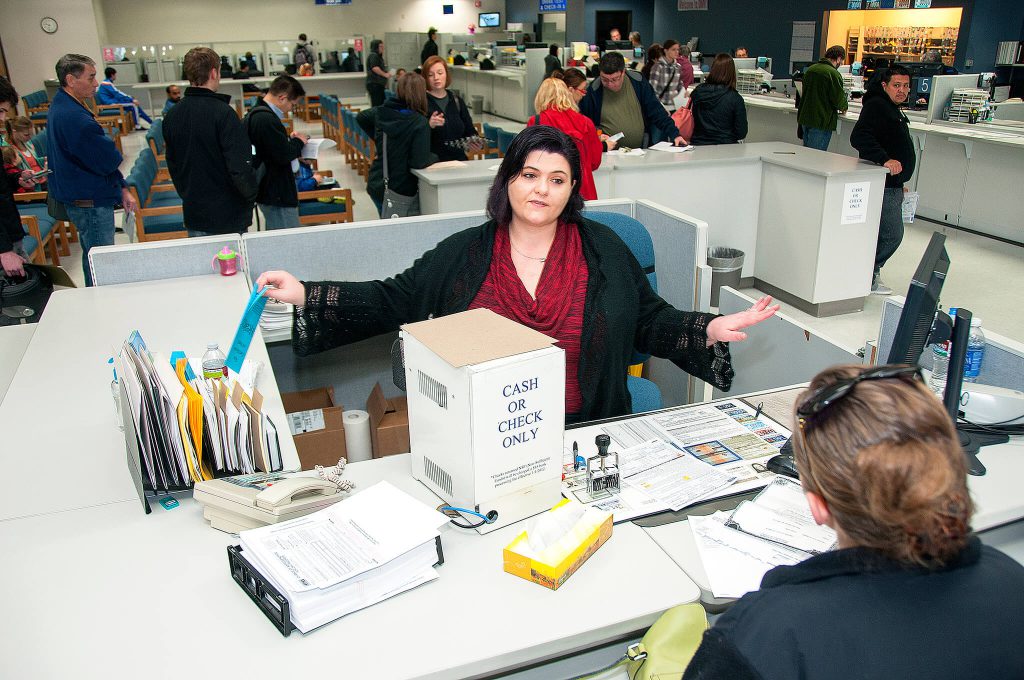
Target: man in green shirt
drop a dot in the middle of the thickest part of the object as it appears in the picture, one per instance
(823, 98)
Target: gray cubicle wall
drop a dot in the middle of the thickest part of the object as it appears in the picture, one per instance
(348, 252)
(1003, 365)
(156, 260)
(777, 352)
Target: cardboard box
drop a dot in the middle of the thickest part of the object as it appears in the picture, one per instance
(486, 414)
(323, 440)
(565, 556)
(389, 423)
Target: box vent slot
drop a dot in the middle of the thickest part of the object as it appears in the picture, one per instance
(433, 390)
(438, 476)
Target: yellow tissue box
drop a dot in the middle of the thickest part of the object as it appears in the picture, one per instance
(555, 564)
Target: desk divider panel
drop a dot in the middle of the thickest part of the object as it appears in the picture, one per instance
(622, 206)
(1003, 365)
(133, 262)
(777, 352)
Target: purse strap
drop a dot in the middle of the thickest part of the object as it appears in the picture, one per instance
(385, 135)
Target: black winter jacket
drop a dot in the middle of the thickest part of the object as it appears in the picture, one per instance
(457, 125)
(852, 613)
(276, 151)
(429, 50)
(621, 312)
(719, 115)
(11, 230)
(882, 133)
(209, 157)
(658, 125)
(408, 147)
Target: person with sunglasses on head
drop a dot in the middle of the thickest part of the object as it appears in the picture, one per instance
(880, 462)
(555, 107)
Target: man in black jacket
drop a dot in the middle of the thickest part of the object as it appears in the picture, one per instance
(429, 47)
(276, 152)
(634, 111)
(209, 155)
(882, 135)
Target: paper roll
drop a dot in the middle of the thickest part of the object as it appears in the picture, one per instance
(357, 435)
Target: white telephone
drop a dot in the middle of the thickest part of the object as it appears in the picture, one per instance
(285, 491)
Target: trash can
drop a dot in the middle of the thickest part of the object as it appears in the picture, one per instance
(726, 268)
(478, 104)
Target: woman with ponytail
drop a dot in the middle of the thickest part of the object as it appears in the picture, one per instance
(910, 592)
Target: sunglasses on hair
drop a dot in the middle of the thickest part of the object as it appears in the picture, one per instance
(830, 394)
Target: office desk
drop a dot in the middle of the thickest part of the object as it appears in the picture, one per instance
(130, 595)
(58, 417)
(783, 205)
(13, 343)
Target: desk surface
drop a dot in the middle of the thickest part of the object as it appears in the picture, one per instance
(159, 587)
(806, 160)
(13, 343)
(58, 417)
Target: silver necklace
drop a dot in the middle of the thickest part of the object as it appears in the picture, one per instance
(528, 257)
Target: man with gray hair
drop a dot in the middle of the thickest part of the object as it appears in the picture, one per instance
(84, 160)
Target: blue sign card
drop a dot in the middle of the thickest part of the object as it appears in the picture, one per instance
(854, 4)
(922, 4)
(333, 2)
(246, 329)
(552, 5)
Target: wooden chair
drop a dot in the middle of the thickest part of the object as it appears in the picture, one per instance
(309, 108)
(35, 205)
(37, 108)
(111, 113)
(313, 211)
(39, 235)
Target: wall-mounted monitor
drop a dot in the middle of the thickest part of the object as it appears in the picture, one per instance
(489, 20)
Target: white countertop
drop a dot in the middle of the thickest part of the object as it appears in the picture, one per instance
(496, 73)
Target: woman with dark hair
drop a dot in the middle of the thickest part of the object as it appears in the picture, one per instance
(452, 133)
(404, 121)
(654, 55)
(910, 593)
(719, 114)
(551, 61)
(666, 78)
(539, 262)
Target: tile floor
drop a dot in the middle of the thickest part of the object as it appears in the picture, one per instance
(985, 275)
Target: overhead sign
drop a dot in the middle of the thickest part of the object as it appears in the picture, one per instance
(552, 5)
(690, 5)
(333, 2)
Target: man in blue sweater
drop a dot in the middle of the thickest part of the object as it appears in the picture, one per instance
(84, 160)
(634, 111)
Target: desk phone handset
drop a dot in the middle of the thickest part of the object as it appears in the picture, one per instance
(287, 490)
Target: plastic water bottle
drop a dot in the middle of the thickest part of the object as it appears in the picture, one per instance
(940, 366)
(975, 351)
(213, 363)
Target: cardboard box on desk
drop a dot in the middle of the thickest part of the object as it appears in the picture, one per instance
(566, 556)
(316, 425)
(389, 423)
(486, 414)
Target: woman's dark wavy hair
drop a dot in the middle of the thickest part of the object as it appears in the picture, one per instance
(535, 138)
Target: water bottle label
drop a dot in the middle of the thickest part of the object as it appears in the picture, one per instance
(215, 373)
(972, 364)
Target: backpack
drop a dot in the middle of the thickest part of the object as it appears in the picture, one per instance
(303, 55)
(257, 165)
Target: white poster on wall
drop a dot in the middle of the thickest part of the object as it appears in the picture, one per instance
(802, 45)
(855, 202)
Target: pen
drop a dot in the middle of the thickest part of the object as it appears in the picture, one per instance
(757, 413)
(577, 459)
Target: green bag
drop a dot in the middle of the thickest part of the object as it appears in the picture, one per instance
(667, 647)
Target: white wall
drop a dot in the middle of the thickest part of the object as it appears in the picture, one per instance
(31, 53)
(134, 22)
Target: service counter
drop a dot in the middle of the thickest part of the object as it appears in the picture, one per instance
(788, 208)
(504, 90)
(967, 175)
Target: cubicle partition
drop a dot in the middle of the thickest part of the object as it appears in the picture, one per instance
(132, 262)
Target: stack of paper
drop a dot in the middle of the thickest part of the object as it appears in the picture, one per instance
(277, 316)
(776, 528)
(363, 550)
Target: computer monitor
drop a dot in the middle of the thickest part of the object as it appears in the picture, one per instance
(618, 45)
(537, 46)
(922, 323)
(638, 53)
(504, 43)
(489, 20)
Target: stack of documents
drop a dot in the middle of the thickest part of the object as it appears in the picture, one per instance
(277, 316)
(776, 528)
(189, 429)
(363, 550)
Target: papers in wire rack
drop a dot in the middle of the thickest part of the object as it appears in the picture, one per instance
(378, 543)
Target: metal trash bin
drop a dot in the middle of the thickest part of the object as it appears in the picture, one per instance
(726, 269)
(478, 104)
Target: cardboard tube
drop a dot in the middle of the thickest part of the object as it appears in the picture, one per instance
(357, 435)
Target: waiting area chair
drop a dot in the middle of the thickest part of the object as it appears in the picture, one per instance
(159, 215)
(37, 108)
(504, 139)
(645, 394)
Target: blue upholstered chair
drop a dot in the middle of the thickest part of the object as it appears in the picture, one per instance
(504, 139)
(491, 135)
(645, 394)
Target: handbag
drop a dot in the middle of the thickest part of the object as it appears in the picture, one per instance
(683, 118)
(396, 204)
